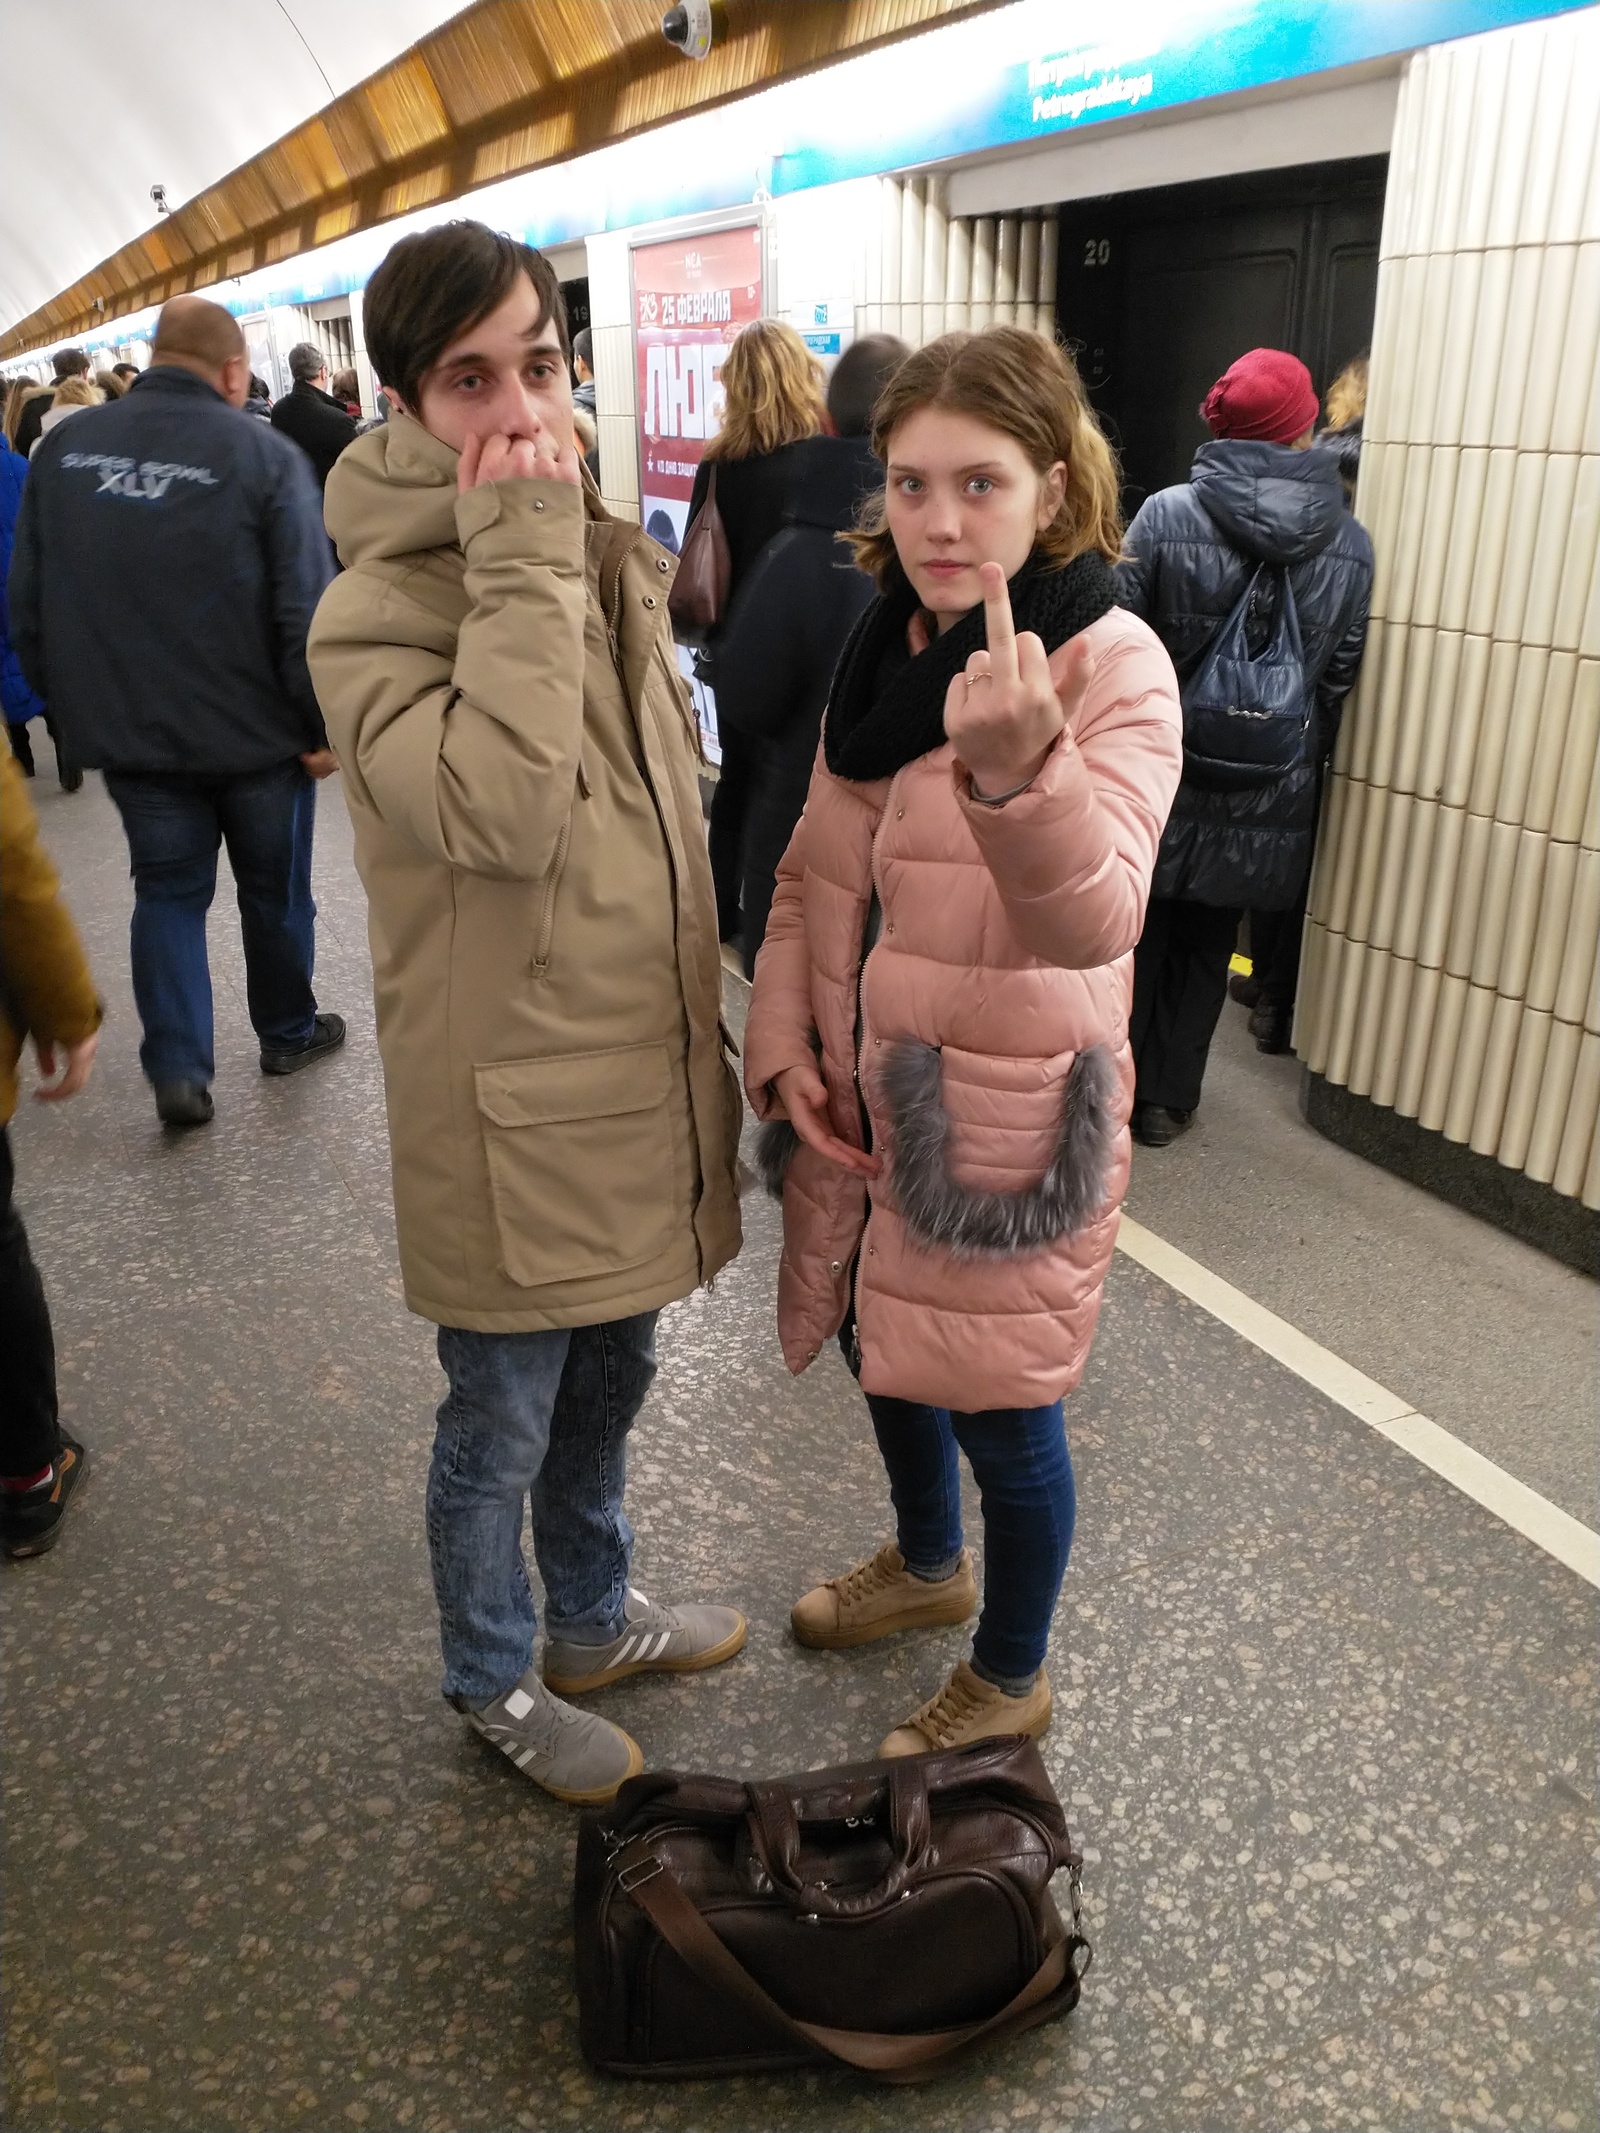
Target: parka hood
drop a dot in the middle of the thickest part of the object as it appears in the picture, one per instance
(1270, 500)
(391, 493)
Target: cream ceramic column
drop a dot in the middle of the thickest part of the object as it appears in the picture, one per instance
(958, 276)
(358, 356)
(889, 252)
(935, 253)
(1044, 316)
(1450, 955)
(1007, 250)
(983, 248)
(611, 324)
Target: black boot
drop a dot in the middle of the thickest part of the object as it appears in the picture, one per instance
(1157, 1127)
(22, 748)
(1270, 1026)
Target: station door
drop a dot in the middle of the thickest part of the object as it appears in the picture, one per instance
(1159, 291)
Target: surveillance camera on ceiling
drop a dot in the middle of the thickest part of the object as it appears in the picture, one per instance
(158, 194)
(689, 28)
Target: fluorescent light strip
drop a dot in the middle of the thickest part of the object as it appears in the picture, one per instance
(1572, 1543)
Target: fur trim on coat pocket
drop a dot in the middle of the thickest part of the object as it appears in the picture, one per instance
(775, 1150)
(969, 1223)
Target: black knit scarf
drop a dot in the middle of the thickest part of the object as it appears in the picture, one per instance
(887, 708)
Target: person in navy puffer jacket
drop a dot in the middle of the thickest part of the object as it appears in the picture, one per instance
(1257, 493)
(17, 698)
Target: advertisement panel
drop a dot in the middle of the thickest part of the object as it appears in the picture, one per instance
(691, 295)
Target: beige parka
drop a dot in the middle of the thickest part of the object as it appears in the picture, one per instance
(497, 676)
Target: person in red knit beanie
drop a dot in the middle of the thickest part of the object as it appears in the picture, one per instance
(1257, 556)
(1266, 394)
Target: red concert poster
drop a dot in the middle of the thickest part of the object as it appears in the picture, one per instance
(690, 297)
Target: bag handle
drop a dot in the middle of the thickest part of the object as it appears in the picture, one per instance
(650, 1883)
(775, 1830)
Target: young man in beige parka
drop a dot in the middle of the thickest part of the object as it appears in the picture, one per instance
(496, 671)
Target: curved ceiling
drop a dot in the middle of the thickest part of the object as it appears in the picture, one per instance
(500, 87)
(101, 99)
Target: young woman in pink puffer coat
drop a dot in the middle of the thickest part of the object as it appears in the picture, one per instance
(939, 1029)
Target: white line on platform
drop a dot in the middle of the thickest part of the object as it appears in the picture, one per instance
(1523, 1509)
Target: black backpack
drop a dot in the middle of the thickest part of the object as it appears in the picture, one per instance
(1246, 718)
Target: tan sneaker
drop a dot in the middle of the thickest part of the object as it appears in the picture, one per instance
(879, 1597)
(968, 1709)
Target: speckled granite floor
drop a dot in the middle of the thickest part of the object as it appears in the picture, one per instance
(1326, 1729)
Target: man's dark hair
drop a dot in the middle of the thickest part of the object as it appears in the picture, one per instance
(859, 377)
(306, 362)
(432, 287)
(125, 370)
(583, 348)
(70, 363)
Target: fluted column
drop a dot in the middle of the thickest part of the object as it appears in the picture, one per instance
(1450, 955)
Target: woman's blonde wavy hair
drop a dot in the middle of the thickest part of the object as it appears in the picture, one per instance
(772, 385)
(1028, 388)
(1347, 395)
(77, 392)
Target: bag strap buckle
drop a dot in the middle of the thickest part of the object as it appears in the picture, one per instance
(636, 1874)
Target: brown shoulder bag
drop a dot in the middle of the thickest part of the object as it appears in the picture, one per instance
(892, 1917)
(699, 596)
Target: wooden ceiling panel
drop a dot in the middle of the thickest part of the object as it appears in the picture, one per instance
(489, 62)
(301, 167)
(354, 144)
(545, 141)
(405, 109)
(504, 87)
(583, 35)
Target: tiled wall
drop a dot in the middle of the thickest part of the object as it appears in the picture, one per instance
(1450, 959)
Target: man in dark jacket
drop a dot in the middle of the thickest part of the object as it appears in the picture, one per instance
(1257, 495)
(321, 425)
(778, 649)
(169, 557)
(67, 363)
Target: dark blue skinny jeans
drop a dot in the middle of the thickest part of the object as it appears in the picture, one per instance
(1020, 1462)
(175, 826)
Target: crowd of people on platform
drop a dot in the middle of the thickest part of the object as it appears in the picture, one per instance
(1000, 779)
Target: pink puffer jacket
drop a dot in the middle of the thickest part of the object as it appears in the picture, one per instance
(994, 1058)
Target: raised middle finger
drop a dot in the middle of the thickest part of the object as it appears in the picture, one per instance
(999, 629)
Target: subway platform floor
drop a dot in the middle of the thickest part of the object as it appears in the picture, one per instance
(1325, 1728)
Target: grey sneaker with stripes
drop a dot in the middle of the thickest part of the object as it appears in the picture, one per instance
(572, 1754)
(652, 1640)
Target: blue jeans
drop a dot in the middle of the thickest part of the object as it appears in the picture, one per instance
(546, 1416)
(174, 827)
(1020, 1462)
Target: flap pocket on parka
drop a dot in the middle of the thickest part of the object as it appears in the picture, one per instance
(581, 1165)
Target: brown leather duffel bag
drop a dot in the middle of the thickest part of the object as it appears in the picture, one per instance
(893, 1916)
